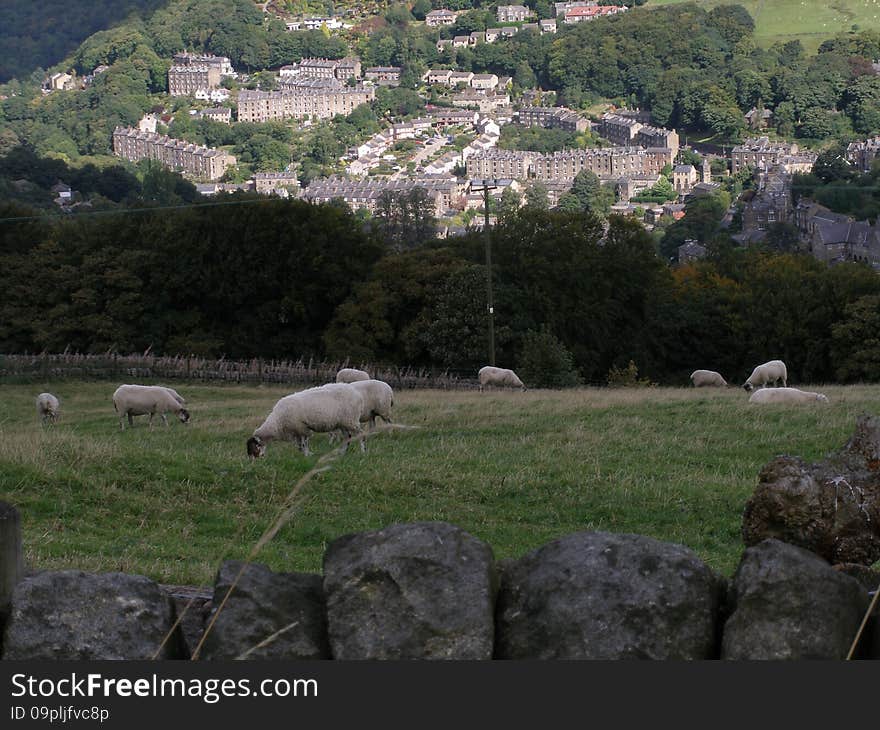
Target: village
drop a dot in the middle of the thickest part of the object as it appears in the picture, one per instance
(450, 150)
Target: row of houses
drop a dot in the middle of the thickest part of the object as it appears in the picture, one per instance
(582, 14)
(486, 102)
(445, 192)
(552, 117)
(448, 77)
(200, 162)
(315, 22)
(302, 102)
(608, 163)
(761, 153)
(340, 69)
(490, 35)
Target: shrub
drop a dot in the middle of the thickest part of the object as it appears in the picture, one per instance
(544, 362)
(627, 377)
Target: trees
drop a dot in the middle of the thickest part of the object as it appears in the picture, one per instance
(856, 343)
(405, 220)
(589, 195)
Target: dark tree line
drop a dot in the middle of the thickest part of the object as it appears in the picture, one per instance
(40, 34)
(264, 277)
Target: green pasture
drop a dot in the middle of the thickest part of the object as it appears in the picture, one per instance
(807, 20)
(515, 469)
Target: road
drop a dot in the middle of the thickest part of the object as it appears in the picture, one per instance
(431, 146)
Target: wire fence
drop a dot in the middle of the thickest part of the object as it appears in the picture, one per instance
(114, 366)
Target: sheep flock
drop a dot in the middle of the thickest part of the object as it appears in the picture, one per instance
(353, 403)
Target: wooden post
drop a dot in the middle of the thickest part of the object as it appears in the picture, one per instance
(11, 561)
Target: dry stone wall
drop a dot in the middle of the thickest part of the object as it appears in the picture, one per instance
(430, 590)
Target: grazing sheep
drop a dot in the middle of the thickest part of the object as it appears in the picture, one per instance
(499, 378)
(378, 399)
(707, 378)
(786, 395)
(174, 394)
(139, 400)
(350, 375)
(337, 406)
(48, 407)
(769, 372)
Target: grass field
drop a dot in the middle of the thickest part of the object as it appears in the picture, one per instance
(808, 20)
(515, 469)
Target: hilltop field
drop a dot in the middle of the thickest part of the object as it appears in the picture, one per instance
(808, 20)
(515, 469)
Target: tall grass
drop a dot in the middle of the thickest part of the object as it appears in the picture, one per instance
(515, 469)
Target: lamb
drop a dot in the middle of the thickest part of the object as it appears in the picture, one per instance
(499, 378)
(48, 407)
(336, 406)
(139, 400)
(350, 375)
(704, 378)
(786, 395)
(769, 372)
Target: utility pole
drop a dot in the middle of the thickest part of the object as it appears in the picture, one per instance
(485, 187)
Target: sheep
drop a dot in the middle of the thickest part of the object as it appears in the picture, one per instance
(336, 406)
(499, 377)
(139, 400)
(769, 372)
(48, 407)
(378, 399)
(350, 375)
(703, 378)
(174, 394)
(786, 395)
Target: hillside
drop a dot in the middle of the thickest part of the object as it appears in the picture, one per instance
(39, 35)
(806, 20)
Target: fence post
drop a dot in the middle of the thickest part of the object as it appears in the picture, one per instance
(11, 561)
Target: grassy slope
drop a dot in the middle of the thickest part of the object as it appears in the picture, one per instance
(515, 469)
(809, 20)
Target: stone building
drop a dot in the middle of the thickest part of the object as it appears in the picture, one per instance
(445, 192)
(302, 102)
(759, 152)
(513, 13)
(861, 155)
(554, 117)
(629, 130)
(201, 162)
(186, 80)
(439, 17)
(608, 163)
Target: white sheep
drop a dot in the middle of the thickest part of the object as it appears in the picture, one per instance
(337, 406)
(48, 407)
(499, 378)
(350, 375)
(378, 399)
(786, 395)
(769, 372)
(174, 394)
(139, 400)
(707, 378)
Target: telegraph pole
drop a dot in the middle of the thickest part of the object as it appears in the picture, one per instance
(485, 187)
